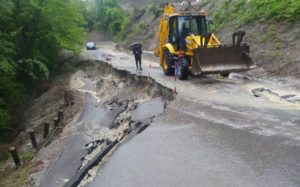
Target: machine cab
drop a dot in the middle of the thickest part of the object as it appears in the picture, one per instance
(180, 26)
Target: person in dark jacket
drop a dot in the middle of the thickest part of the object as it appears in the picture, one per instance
(137, 51)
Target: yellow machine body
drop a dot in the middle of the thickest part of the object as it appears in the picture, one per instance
(203, 56)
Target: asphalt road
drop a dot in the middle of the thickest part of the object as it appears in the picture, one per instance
(216, 133)
(93, 118)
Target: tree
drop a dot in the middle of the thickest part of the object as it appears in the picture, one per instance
(32, 35)
(109, 16)
(66, 23)
(11, 92)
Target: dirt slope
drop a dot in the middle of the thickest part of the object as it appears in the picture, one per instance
(131, 4)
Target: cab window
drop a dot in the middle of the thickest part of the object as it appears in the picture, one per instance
(192, 24)
(172, 30)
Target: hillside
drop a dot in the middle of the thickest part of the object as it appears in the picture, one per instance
(273, 35)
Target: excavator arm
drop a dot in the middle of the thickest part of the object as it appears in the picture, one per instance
(163, 31)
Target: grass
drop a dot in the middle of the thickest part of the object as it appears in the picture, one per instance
(270, 36)
(242, 12)
(151, 33)
(27, 156)
(139, 30)
(2, 163)
(11, 177)
(273, 55)
(142, 25)
(17, 178)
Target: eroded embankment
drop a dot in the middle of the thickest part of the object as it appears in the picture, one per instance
(153, 88)
(118, 106)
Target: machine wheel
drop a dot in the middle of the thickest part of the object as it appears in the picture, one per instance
(184, 71)
(167, 63)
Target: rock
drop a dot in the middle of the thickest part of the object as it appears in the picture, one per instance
(287, 96)
(257, 92)
(121, 85)
(99, 83)
(258, 89)
(298, 58)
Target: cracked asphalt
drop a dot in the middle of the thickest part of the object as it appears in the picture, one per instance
(215, 133)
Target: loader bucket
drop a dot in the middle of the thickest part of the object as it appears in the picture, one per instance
(221, 59)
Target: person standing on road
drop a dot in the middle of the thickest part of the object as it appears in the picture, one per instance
(137, 51)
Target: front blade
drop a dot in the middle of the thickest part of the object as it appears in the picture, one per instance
(222, 59)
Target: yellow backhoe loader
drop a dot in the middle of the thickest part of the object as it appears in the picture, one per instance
(185, 46)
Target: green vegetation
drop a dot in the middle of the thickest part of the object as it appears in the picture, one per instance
(107, 16)
(243, 11)
(32, 34)
(142, 25)
(27, 156)
(269, 36)
(1, 164)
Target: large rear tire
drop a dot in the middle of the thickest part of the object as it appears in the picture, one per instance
(184, 73)
(167, 63)
(184, 69)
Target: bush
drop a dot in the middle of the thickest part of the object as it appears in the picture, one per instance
(32, 34)
(243, 11)
(110, 17)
